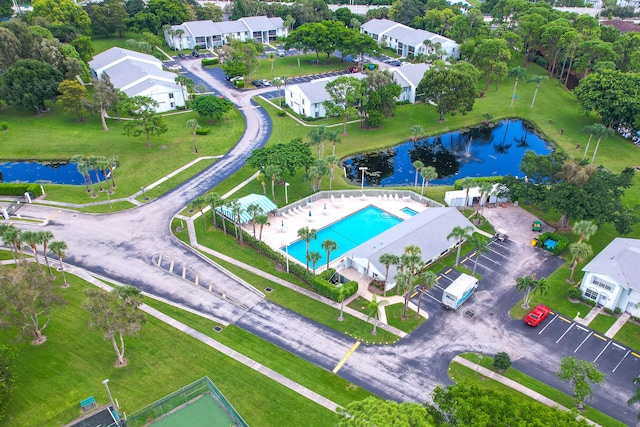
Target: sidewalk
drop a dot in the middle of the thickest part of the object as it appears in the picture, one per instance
(514, 385)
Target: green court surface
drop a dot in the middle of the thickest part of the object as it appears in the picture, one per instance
(203, 412)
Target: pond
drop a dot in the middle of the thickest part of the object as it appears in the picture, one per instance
(494, 150)
(50, 172)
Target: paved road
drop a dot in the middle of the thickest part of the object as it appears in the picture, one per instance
(121, 245)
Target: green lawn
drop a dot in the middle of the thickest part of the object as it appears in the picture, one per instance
(458, 372)
(394, 318)
(70, 366)
(629, 335)
(602, 323)
(288, 66)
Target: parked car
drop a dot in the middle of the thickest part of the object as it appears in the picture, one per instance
(537, 315)
(265, 83)
(353, 69)
(257, 83)
(280, 52)
(181, 55)
(174, 67)
(195, 54)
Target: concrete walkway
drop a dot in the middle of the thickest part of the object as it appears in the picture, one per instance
(514, 385)
(589, 317)
(615, 328)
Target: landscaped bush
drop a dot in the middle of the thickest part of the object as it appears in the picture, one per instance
(203, 131)
(4, 125)
(502, 361)
(20, 189)
(181, 108)
(561, 246)
(575, 293)
(282, 113)
(209, 61)
(239, 84)
(405, 102)
(457, 185)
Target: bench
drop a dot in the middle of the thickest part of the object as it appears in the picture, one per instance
(88, 404)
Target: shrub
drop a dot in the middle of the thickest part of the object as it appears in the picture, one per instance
(457, 185)
(608, 311)
(20, 189)
(561, 246)
(239, 84)
(181, 107)
(575, 293)
(374, 119)
(282, 113)
(4, 125)
(209, 61)
(502, 361)
(405, 102)
(617, 311)
(203, 131)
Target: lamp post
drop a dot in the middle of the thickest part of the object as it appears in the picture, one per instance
(286, 195)
(142, 188)
(363, 169)
(115, 413)
(479, 360)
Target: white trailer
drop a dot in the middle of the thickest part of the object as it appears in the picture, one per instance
(459, 291)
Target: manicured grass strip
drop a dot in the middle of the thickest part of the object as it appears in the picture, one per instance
(602, 323)
(176, 180)
(629, 335)
(394, 318)
(359, 304)
(293, 367)
(529, 382)
(70, 366)
(106, 208)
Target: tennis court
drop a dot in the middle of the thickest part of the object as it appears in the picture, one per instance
(203, 412)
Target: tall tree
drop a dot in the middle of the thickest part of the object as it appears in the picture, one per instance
(417, 165)
(145, 119)
(460, 234)
(59, 248)
(313, 257)
(214, 200)
(581, 374)
(600, 132)
(73, 97)
(236, 209)
(489, 54)
(262, 220)
(429, 280)
(450, 89)
(62, 12)
(373, 311)
(591, 130)
(115, 314)
(329, 246)
(274, 173)
(27, 300)
(29, 83)
(538, 81)
(517, 72)
(585, 229)
(105, 95)
(193, 126)
(254, 210)
(44, 238)
(108, 18)
(388, 259)
(185, 83)
(307, 234)
(212, 107)
(199, 203)
(32, 239)
(427, 173)
(531, 286)
(416, 132)
(636, 396)
(479, 244)
(579, 252)
(346, 94)
(11, 46)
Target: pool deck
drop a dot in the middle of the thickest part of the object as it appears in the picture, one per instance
(277, 236)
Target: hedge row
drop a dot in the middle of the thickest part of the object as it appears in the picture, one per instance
(561, 246)
(319, 283)
(19, 189)
(457, 185)
(209, 61)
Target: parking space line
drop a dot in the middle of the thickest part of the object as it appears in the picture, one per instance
(448, 271)
(432, 297)
(605, 347)
(635, 354)
(498, 253)
(565, 332)
(414, 294)
(545, 326)
(502, 246)
(492, 260)
(565, 320)
(346, 356)
(582, 328)
(485, 267)
(583, 341)
(602, 338)
(619, 346)
(623, 357)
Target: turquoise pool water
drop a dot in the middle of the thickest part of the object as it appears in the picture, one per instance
(409, 211)
(348, 233)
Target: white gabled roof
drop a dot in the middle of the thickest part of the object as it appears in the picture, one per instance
(127, 73)
(411, 73)
(620, 260)
(117, 54)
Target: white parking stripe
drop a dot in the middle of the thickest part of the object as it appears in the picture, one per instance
(605, 347)
(582, 328)
(565, 332)
(583, 341)
(502, 246)
(492, 260)
(619, 346)
(498, 253)
(547, 325)
(623, 357)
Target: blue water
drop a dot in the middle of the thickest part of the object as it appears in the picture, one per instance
(60, 172)
(409, 211)
(482, 151)
(348, 233)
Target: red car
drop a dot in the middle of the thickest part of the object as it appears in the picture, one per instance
(353, 69)
(537, 315)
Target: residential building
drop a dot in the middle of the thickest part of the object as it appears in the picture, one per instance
(428, 230)
(612, 278)
(409, 41)
(139, 74)
(209, 34)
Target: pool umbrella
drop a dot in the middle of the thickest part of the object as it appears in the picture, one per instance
(282, 225)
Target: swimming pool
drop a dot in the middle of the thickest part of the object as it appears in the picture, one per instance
(409, 211)
(348, 233)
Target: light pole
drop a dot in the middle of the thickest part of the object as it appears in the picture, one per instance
(286, 195)
(363, 169)
(479, 360)
(142, 188)
(115, 413)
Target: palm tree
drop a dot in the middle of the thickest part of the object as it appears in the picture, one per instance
(254, 210)
(388, 260)
(93, 163)
(262, 220)
(77, 159)
(485, 189)
(45, 238)
(273, 172)
(333, 136)
(306, 234)
(585, 229)
(405, 284)
(194, 126)
(113, 164)
(590, 129)
(332, 161)
(636, 395)
(261, 179)
(531, 286)
(480, 245)
(516, 72)
(58, 248)
(317, 136)
(428, 173)
(84, 168)
(179, 32)
(13, 238)
(329, 246)
(342, 295)
(417, 165)
(236, 210)
(601, 132)
(313, 257)
(373, 310)
(272, 59)
(416, 132)
(429, 280)
(538, 81)
(184, 82)
(467, 183)
(411, 264)
(214, 200)
(278, 82)
(579, 251)
(104, 165)
(199, 203)
(460, 233)
(32, 239)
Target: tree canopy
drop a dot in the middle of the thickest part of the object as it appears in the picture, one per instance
(449, 88)
(211, 106)
(373, 411)
(288, 157)
(29, 83)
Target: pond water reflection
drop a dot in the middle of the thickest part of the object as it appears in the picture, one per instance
(481, 151)
(50, 172)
